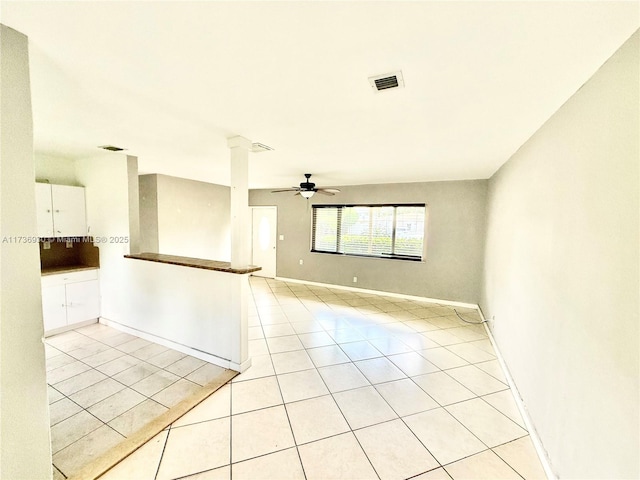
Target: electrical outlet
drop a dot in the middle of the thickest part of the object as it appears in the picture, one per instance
(46, 245)
(69, 244)
(355, 279)
(281, 237)
(301, 261)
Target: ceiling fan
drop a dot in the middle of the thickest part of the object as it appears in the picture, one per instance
(307, 189)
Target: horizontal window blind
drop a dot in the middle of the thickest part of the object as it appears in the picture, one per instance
(386, 231)
(325, 229)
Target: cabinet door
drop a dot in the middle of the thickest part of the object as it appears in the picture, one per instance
(44, 214)
(54, 310)
(83, 301)
(69, 214)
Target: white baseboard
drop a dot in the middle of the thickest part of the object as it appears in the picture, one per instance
(379, 292)
(535, 439)
(68, 328)
(542, 454)
(207, 357)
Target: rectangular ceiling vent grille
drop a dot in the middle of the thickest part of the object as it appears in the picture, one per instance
(386, 81)
(257, 147)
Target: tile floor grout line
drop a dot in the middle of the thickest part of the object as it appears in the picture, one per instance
(109, 396)
(504, 460)
(164, 446)
(231, 429)
(483, 451)
(365, 452)
(295, 441)
(398, 417)
(476, 396)
(440, 406)
(290, 317)
(125, 386)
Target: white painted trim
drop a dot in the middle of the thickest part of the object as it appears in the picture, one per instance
(69, 327)
(537, 443)
(243, 366)
(207, 357)
(379, 292)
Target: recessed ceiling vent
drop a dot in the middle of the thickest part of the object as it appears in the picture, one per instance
(387, 81)
(257, 147)
(111, 148)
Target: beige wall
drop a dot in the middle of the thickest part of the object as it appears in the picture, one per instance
(185, 217)
(24, 420)
(148, 201)
(561, 274)
(454, 240)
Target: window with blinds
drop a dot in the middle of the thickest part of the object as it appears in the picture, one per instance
(385, 231)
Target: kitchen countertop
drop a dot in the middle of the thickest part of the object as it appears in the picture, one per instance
(65, 269)
(193, 262)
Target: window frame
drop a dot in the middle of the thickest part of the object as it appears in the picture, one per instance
(340, 209)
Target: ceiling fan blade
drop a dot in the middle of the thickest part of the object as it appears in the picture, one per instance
(309, 188)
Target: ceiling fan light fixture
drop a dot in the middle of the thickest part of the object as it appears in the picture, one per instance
(307, 193)
(308, 189)
(111, 148)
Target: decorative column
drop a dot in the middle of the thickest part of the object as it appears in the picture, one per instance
(134, 205)
(240, 250)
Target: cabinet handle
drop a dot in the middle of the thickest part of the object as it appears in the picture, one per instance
(48, 211)
(57, 211)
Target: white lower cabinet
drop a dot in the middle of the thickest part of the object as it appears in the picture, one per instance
(69, 299)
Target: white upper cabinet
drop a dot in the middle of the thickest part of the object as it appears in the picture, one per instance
(69, 213)
(44, 210)
(61, 211)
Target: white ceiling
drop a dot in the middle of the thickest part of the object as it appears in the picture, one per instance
(171, 81)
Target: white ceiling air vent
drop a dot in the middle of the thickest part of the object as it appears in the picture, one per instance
(111, 148)
(387, 81)
(260, 147)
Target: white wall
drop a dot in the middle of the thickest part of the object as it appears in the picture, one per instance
(105, 178)
(24, 418)
(561, 274)
(190, 307)
(183, 307)
(57, 170)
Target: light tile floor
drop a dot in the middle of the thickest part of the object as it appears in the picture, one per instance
(349, 385)
(104, 385)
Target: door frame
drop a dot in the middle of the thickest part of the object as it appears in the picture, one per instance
(275, 249)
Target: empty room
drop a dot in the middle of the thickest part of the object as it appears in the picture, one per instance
(320, 240)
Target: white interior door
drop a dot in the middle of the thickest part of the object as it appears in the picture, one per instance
(264, 233)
